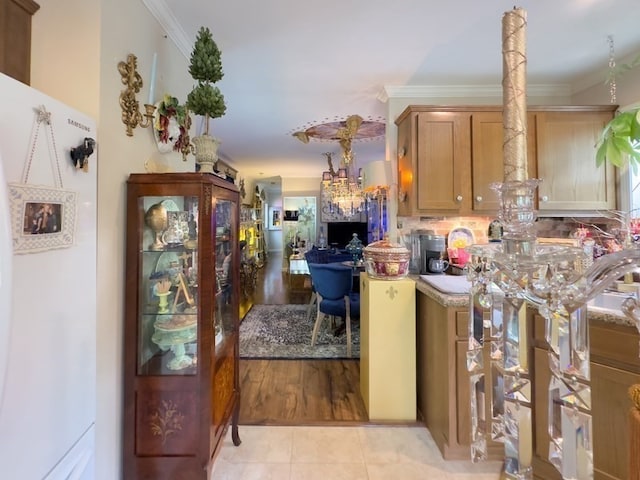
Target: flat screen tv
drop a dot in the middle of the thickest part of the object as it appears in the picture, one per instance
(341, 233)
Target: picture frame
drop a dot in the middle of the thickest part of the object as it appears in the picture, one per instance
(275, 218)
(42, 218)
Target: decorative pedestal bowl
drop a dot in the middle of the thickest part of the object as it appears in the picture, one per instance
(386, 260)
(174, 333)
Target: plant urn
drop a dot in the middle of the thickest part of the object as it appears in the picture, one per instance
(206, 152)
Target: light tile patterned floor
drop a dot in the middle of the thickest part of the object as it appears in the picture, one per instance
(342, 453)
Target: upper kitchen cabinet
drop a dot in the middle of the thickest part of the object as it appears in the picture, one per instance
(15, 38)
(433, 162)
(566, 155)
(487, 134)
(447, 159)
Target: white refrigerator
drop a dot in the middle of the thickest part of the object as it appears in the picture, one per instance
(47, 288)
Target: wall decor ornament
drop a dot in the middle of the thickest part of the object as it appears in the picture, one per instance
(42, 217)
(131, 115)
(171, 124)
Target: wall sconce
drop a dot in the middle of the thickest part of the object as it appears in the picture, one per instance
(131, 115)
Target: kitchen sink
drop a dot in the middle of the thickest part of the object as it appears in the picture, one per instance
(609, 301)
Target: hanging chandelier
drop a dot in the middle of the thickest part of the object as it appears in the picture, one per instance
(344, 188)
(343, 192)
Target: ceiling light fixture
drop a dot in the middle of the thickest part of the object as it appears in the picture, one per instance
(343, 188)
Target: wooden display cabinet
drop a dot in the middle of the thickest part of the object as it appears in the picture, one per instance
(181, 386)
(15, 38)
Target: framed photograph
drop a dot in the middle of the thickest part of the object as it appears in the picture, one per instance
(275, 218)
(42, 218)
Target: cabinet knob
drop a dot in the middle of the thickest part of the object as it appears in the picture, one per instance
(459, 198)
(479, 198)
(544, 198)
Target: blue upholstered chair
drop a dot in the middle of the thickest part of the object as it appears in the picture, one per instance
(314, 255)
(332, 283)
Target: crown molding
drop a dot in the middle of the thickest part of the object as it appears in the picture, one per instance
(166, 19)
(462, 91)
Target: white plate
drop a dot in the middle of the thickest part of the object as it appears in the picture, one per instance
(461, 235)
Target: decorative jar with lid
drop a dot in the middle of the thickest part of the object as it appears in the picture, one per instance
(386, 260)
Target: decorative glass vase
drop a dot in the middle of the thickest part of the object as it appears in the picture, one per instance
(355, 248)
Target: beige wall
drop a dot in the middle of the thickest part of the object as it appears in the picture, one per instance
(77, 45)
(627, 91)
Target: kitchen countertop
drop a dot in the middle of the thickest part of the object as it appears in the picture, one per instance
(448, 299)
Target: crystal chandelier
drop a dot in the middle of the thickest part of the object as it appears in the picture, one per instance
(521, 272)
(344, 188)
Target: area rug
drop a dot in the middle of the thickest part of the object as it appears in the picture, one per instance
(283, 332)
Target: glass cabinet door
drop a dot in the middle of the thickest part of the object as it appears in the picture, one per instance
(224, 319)
(168, 286)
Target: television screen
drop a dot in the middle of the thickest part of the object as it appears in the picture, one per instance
(341, 233)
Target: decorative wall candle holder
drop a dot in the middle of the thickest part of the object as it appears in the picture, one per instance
(131, 115)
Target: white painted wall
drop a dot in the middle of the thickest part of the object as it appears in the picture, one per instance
(77, 45)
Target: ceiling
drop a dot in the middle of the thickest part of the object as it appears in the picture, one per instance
(290, 64)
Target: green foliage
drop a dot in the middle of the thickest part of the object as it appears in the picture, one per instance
(206, 67)
(620, 141)
(206, 99)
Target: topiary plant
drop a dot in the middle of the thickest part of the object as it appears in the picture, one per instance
(205, 67)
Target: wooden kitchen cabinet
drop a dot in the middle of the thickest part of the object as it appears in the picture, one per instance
(566, 162)
(615, 366)
(443, 388)
(181, 384)
(448, 157)
(15, 38)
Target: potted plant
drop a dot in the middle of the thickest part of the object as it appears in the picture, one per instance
(206, 99)
(619, 141)
(620, 137)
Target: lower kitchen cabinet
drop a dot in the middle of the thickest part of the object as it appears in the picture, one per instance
(443, 381)
(615, 366)
(443, 387)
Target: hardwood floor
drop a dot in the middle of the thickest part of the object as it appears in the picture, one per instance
(296, 392)
(300, 392)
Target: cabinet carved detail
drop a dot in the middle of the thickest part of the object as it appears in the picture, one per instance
(166, 420)
(164, 423)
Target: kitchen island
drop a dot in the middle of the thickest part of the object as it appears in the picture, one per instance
(443, 382)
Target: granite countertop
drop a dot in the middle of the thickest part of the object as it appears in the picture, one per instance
(448, 299)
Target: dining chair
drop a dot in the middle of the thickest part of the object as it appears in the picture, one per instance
(335, 297)
(314, 255)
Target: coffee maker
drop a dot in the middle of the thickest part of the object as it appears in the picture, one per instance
(431, 246)
(413, 244)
